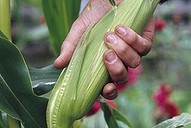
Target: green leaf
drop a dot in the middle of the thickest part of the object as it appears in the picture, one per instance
(43, 80)
(179, 121)
(121, 118)
(2, 123)
(137, 105)
(3, 36)
(113, 115)
(108, 115)
(36, 3)
(4, 103)
(16, 95)
(59, 15)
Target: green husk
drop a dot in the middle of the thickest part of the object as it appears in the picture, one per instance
(81, 83)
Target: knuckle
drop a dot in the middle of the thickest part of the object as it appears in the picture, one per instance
(123, 50)
(132, 38)
(119, 71)
(80, 25)
(144, 49)
(135, 62)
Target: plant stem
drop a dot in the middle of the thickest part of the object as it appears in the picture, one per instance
(5, 22)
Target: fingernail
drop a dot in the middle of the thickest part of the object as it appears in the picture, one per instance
(111, 57)
(112, 93)
(122, 83)
(111, 38)
(121, 31)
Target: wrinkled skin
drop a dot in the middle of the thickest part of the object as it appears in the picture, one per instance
(126, 47)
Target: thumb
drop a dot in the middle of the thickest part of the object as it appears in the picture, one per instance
(70, 44)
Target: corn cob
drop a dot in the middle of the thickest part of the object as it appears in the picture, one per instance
(80, 84)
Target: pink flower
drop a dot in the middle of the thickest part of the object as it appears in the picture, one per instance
(162, 94)
(165, 107)
(171, 109)
(95, 108)
(133, 74)
(160, 24)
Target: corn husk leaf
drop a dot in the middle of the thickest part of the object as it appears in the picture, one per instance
(44, 79)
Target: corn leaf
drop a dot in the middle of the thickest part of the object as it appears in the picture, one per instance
(3, 36)
(2, 123)
(113, 115)
(121, 118)
(43, 80)
(59, 15)
(16, 95)
(176, 122)
(109, 116)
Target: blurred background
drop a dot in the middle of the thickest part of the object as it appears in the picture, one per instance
(161, 88)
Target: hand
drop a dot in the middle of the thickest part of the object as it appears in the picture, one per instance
(124, 52)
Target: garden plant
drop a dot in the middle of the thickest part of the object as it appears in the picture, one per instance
(53, 98)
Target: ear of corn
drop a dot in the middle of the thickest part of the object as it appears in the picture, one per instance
(80, 84)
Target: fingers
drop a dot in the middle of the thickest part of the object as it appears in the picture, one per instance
(115, 66)
(139, 44)
(110, 91)
(130, 46)
(87, 17)
(117, 72)
(149, 31)
(64, 58)
(70, 43)
(123, 48)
